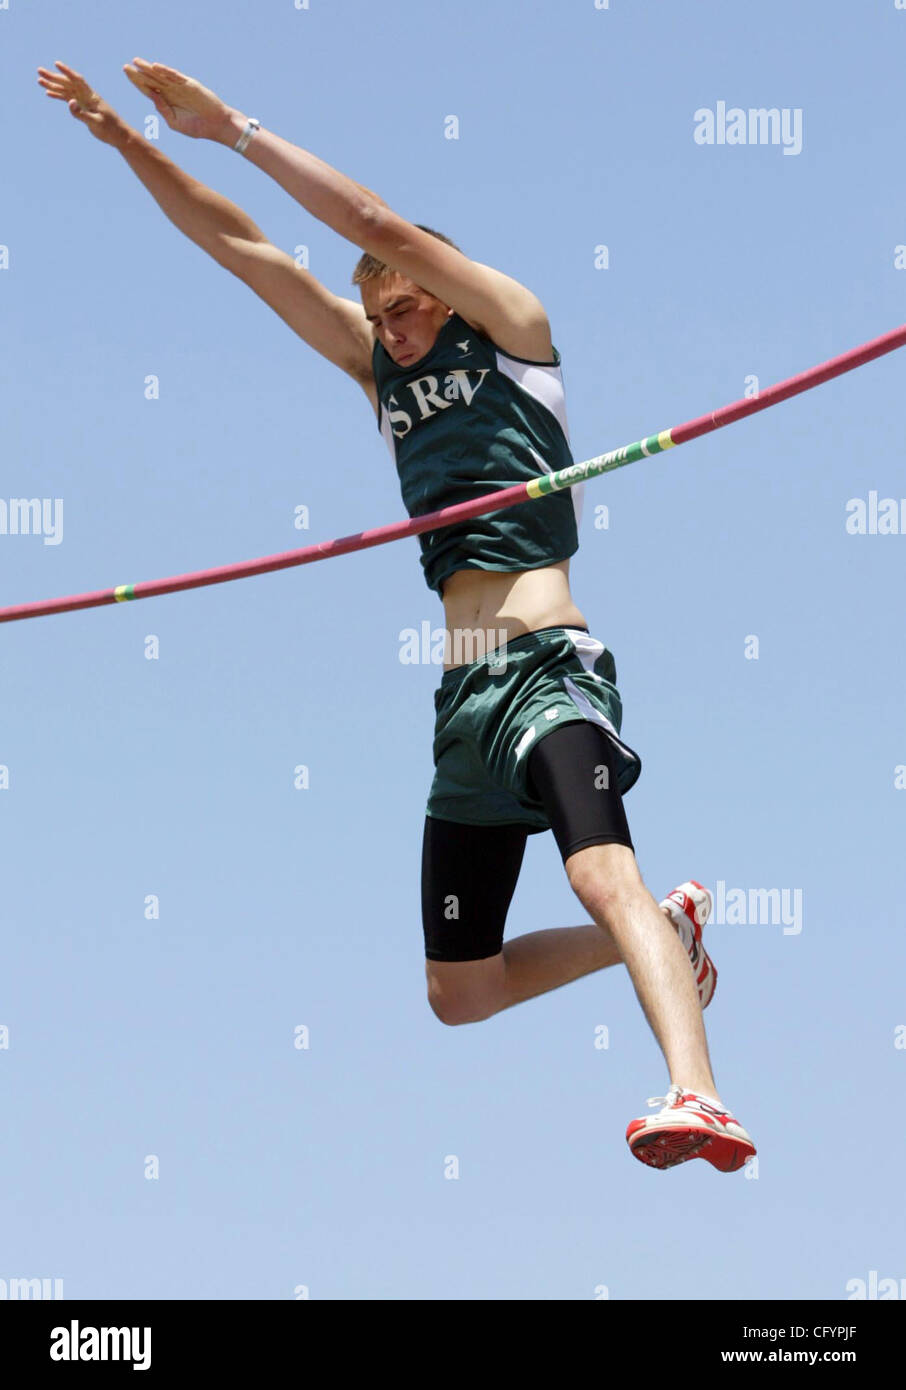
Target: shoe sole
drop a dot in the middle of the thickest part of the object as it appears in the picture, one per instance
(667, 1146)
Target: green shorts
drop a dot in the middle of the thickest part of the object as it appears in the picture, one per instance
(491, 713)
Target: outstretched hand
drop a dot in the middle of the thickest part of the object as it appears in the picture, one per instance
(84, 103)
(185, 104)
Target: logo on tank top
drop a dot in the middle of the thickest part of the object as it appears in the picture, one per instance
(429, 395)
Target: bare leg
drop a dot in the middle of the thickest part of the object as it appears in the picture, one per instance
(529, 965)
(532, 964)
(607, 882)
(540, 961)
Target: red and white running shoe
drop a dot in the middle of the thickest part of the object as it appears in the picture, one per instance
(689, 908)
(689, 1126)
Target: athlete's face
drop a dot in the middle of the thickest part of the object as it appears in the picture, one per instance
(406, 319)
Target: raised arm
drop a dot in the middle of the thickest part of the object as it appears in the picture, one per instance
(335, 327)
(511, 314)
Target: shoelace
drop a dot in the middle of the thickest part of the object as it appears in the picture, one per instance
(670, 1098)
(676, 1093)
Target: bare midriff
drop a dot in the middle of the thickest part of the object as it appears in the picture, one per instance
(484, 609)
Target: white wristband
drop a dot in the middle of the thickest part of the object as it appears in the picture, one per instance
(251, 126)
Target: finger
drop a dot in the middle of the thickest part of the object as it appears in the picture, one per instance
(140, 82)
(78, 84)
(156, 96)
(168, 72)
(161, 73)
(85, 113)
(173, 73)
(146, 86)
(72, 79)
(144, 67)
(88, 103)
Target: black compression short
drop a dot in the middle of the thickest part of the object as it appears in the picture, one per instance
(469, 872)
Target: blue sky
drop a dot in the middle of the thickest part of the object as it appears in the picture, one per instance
(323, 1168)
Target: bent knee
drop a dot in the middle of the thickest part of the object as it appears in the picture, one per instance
(463, 991)
(455, 1012)
(605, 878)
(453, 1009)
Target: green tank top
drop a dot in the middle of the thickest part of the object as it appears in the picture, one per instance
(467, 419)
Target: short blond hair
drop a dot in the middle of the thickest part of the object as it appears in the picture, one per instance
(368, 267)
